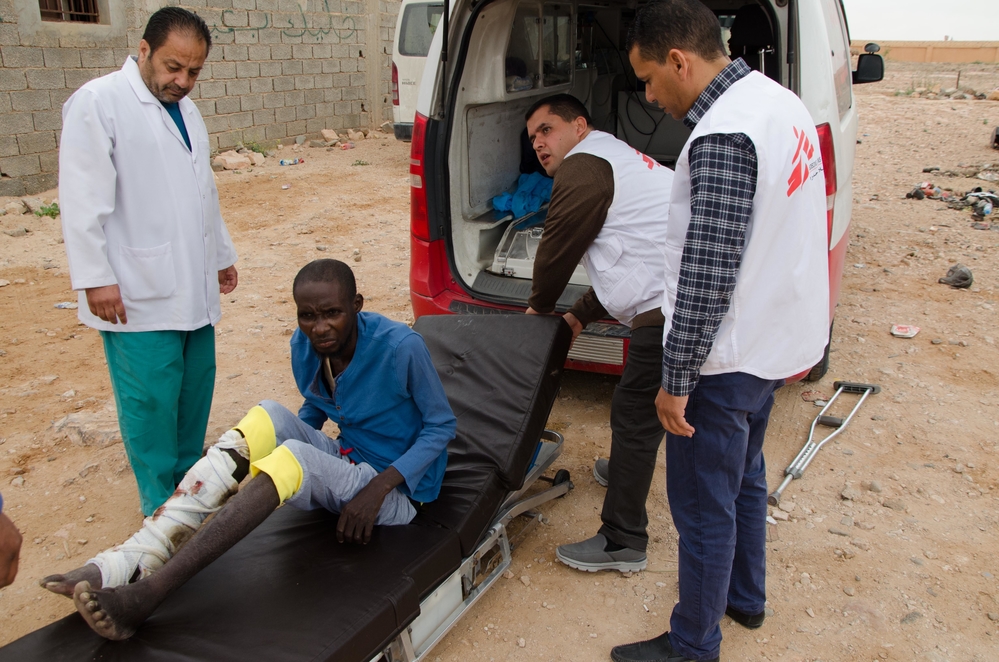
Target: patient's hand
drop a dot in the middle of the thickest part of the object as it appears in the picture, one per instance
(358, 516)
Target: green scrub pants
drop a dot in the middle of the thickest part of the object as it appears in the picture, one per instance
(163, 383)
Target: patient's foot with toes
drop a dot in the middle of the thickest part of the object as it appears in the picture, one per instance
(65, 584)
(113, 613)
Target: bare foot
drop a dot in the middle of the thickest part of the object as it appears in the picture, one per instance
(64, 584)
(113, 613)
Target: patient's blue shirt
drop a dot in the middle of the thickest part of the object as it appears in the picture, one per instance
(389, 403)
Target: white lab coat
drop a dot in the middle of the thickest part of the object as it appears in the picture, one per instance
(138, 209)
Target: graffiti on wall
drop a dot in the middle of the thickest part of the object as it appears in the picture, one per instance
(291, 27)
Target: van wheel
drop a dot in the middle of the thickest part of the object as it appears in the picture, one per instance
(820, 369)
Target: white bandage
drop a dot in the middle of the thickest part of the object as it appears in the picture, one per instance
(205, 489)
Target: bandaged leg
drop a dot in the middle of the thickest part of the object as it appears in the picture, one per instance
(205, 489)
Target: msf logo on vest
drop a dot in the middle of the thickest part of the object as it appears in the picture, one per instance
(805, 164)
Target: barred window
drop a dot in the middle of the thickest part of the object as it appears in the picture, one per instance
(80, 11)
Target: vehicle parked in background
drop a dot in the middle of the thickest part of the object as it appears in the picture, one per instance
(500, 56)
(414, 30)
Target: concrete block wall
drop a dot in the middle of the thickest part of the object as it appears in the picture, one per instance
(277, 69)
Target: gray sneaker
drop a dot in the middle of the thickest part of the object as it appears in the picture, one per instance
(601, 470)
(590, 556)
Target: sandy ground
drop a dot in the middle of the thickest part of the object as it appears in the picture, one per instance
(888, 548)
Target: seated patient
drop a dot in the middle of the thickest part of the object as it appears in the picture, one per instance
(371, 376)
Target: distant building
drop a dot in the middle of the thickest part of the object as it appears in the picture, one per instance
(277, 69)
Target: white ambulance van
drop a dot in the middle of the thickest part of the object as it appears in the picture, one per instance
(414, 30)
(500, 56)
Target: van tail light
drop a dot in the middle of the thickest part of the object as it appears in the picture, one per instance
(418, 218)
(395, 85)
(829, 167)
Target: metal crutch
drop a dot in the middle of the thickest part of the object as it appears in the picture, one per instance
(811, 449)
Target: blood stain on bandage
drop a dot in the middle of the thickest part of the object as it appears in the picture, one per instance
(197, 487)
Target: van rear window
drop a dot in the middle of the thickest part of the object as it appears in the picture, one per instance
(418, 24)
(840, 52)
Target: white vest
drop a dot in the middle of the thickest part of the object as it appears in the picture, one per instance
(777, 324)
(625, 262)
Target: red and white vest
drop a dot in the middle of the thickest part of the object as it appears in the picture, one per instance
(625, 262)
(778, 322)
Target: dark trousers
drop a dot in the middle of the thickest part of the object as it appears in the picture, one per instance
(635, 437)
(717, 489)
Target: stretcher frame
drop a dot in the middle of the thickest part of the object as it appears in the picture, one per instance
(443, 608)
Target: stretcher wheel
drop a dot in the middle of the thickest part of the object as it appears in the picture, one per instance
(561, 476)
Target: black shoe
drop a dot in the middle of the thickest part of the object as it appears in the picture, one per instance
(653, 650)
(751, 621)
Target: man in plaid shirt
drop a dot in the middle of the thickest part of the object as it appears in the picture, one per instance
(746, 305)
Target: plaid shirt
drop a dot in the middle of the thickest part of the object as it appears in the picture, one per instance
(723, 171)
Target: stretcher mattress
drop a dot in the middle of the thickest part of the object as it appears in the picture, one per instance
(289, 591)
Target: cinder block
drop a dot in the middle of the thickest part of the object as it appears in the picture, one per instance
(9, 35)
(12, 79)
(96, 57)
(288, 5)
(40, 182)
(284, 83)
(296, 128)
(247, 69)
(305, 82)
(312, 66)
(275, 100)
(340, 50)
(296, 98)
(49, 161)
(20, 166)
(281, 52)
(267, 5)
(58, 97)
(263, 117)
(244, 4)
(237, 87)
(313, 96)
(8, 146)
(19, 57)
(333, 95)
(342, 107)
(324, 80)
(227, 105)
(258, 52)
(259, 20)
(315, 125)
(77, 78)
(234, 53)
(63, 58)
(235, 18)
(321, 51)
(254, 134)
(331, 66)
(270, 69)
(223, 70)
(352, 93)
(47, 120)
(291, 67)
(358, 80)
(285, 114)
(230, 139)
(206, 107)
(35, 143)
(251, 102)
(341, 80)
(241, 120)
(30, 100)
(335, 123)
(211, 89)
(305, 112)
(276, 131)
(261, 85)
(217, 123)
(12, 187)
(270, 36)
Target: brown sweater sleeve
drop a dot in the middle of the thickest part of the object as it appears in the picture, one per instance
(581, 195)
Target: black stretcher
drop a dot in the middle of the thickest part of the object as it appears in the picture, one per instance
(290, 591)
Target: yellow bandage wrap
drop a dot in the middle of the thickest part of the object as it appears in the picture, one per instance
(258, 430)
(284, 470)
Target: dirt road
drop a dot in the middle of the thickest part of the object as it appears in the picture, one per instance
(888, 548)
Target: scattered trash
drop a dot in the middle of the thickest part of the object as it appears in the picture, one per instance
(904, 331)
(929, 190)
(958, 276)
(347, 145)
(995, 131)
(290, 162)
(812, 396)
(66, 305)
(285, 187)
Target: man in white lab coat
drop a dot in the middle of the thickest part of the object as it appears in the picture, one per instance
(148, 251)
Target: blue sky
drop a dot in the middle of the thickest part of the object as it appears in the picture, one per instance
(923, 20)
